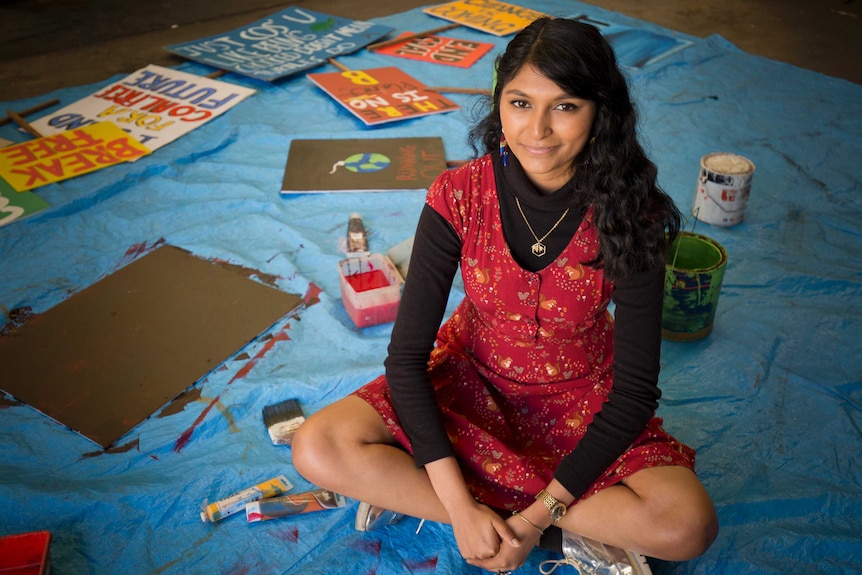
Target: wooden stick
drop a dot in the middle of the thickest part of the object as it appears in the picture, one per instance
(386, 43)
(23, 123)
(338, 65)
(454, 90)
(216, 74)
(28, 111)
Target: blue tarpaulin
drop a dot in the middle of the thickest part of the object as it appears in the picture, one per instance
(771, 399)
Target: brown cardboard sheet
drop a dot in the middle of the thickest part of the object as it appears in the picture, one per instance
(105, 359)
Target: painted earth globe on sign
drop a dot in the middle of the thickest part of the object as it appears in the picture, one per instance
(365, 162)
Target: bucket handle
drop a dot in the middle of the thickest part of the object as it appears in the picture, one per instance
(718, 205)
(679, 243)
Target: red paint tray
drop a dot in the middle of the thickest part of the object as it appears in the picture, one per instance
(25, 554)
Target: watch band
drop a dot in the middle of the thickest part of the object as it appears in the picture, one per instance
(547, 499)
(555, 507)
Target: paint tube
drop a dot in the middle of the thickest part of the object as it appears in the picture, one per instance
(297, 504)
(357, 238)
(237, 502)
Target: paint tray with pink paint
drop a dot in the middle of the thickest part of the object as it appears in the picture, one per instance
(370, 289)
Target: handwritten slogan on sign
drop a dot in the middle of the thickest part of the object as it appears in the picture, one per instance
(284, 43)
(156, 105)
(381, 95)
(51, 159)
(439, 50)
(498, 18)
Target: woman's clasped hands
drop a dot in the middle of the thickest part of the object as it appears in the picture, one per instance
(491, 542)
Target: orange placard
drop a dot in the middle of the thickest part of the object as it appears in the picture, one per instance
(438, 50)
(381, 95)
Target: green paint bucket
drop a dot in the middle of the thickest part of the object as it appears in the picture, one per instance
(693, 276)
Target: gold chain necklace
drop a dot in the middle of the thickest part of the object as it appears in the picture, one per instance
(539, 248)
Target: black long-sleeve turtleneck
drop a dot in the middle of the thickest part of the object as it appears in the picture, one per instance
(433, 264)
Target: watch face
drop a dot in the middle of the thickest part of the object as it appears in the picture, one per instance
(558, 511)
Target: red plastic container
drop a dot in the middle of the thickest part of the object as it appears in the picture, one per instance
(25, 554)
(370, 306)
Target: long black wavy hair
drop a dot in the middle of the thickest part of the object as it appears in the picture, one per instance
(612, 173)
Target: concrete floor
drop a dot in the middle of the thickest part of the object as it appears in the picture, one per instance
(50, 44)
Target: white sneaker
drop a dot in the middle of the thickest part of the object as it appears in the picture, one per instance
(370, 517)
(591, 557)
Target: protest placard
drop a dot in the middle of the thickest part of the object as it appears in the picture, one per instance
(438, 50)
(362, 164)
(16, 206)
(497, 18)
(156, 105)
(59, 157)
(380, 95)
(284, 43)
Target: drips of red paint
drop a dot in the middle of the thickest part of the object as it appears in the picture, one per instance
(367, 281)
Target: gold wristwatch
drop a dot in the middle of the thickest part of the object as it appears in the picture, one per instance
(555, 508)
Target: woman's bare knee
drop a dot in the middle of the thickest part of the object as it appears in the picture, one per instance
(310, 449)
(689, 532)
(327, 440)
(682, 519)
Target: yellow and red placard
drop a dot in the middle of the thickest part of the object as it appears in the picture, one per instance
(62, 156)
(491, 16)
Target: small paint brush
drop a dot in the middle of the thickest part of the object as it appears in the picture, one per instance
(282, 420)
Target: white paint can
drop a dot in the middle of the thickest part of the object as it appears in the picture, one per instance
(722, 188)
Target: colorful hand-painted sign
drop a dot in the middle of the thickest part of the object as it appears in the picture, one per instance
(284, 43)
(381, 95)
(439, 50)
(15, 206)
(59, 157)
(156, 105)
(363, 164)
(498, 18)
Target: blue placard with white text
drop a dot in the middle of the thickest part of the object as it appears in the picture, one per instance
(282, 44)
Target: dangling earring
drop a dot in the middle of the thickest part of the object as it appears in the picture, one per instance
(503, 152)
(592, 140)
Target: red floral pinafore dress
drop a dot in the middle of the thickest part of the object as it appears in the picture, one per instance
(525, 361)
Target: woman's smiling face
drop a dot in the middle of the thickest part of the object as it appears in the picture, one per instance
(545, 127)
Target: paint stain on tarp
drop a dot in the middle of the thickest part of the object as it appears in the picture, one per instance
(311, 295)
(369, 546)
(15, 318)
(186, 436)
(192, 549)
(241, 569)
(425, 565)
(180, 402)
(137, 250)
(128, 446)
(289, 535)
(244, 370)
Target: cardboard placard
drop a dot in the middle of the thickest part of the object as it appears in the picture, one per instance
(381, 95)
(105, 359)
(284, 43)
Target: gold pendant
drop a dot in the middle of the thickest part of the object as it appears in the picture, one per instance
(538, 249)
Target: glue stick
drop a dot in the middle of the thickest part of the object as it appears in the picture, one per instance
(236, 502)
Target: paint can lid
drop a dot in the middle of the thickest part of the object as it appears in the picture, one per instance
(726, 163)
